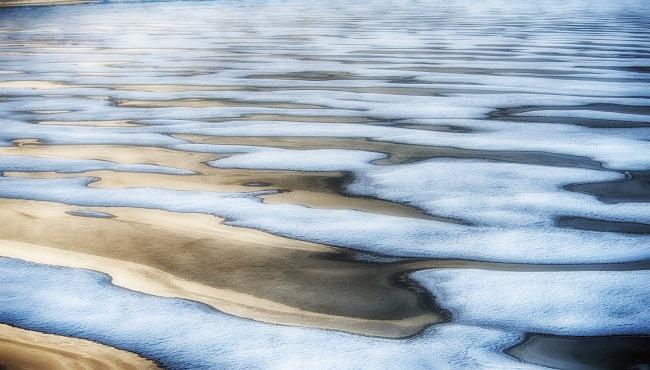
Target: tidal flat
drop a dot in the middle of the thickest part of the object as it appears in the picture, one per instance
(312, 184)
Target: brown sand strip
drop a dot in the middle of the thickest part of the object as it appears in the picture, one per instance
(587, 122)
(510, 114)
(400, 153)
(584, 353)
(116, 153)
(239, 271)
(425, 264)
(323, 196)
(312, 189)
(598, 107)
(592, 224)
(634, 189)
(28, 350)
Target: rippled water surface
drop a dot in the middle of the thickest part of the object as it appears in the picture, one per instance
(336, 185)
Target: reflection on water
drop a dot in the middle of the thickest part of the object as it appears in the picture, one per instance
(376, 184)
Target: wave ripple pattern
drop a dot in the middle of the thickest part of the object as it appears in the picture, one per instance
(329, 184)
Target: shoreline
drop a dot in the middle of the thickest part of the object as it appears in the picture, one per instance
(223, 266)
(22, 349)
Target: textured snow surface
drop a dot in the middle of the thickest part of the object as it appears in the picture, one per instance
(570, 303)
(13, 163)
(185, 335)
(389, 235)
(481, 113)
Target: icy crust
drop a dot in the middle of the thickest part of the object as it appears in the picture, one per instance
(622, 151)
(617, 149)
(61, 134)
(472, 104)
(301, 160)
(186, 335)
(15, 163)
(485, 193)
(563, 303)
(427, 63)
(494, 193)
(397, 236)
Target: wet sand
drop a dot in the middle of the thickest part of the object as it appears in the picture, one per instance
(510, 114)
(196, 257)
(312, 189)
(584, 223)
(585, 353)
(229, 268)
(486, 84)
(27, 350)
(635, 188)
(400, 153)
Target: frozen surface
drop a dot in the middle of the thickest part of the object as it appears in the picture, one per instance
(502, 104)
(570, 303)
(494, 193)
(390, 235)
(185, 335)
(13, 163)
(301, 160)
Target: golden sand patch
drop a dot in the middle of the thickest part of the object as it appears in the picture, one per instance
(37, 85)
(397, 152)
(240, 271)
(312, 189)
(28, 350)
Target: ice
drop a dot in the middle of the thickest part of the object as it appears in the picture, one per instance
(297, 160)
(485, 193)
(14, 163)
(566, 303)
(615, 151)
(187, 335)
(493, 193)
(389, 235)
